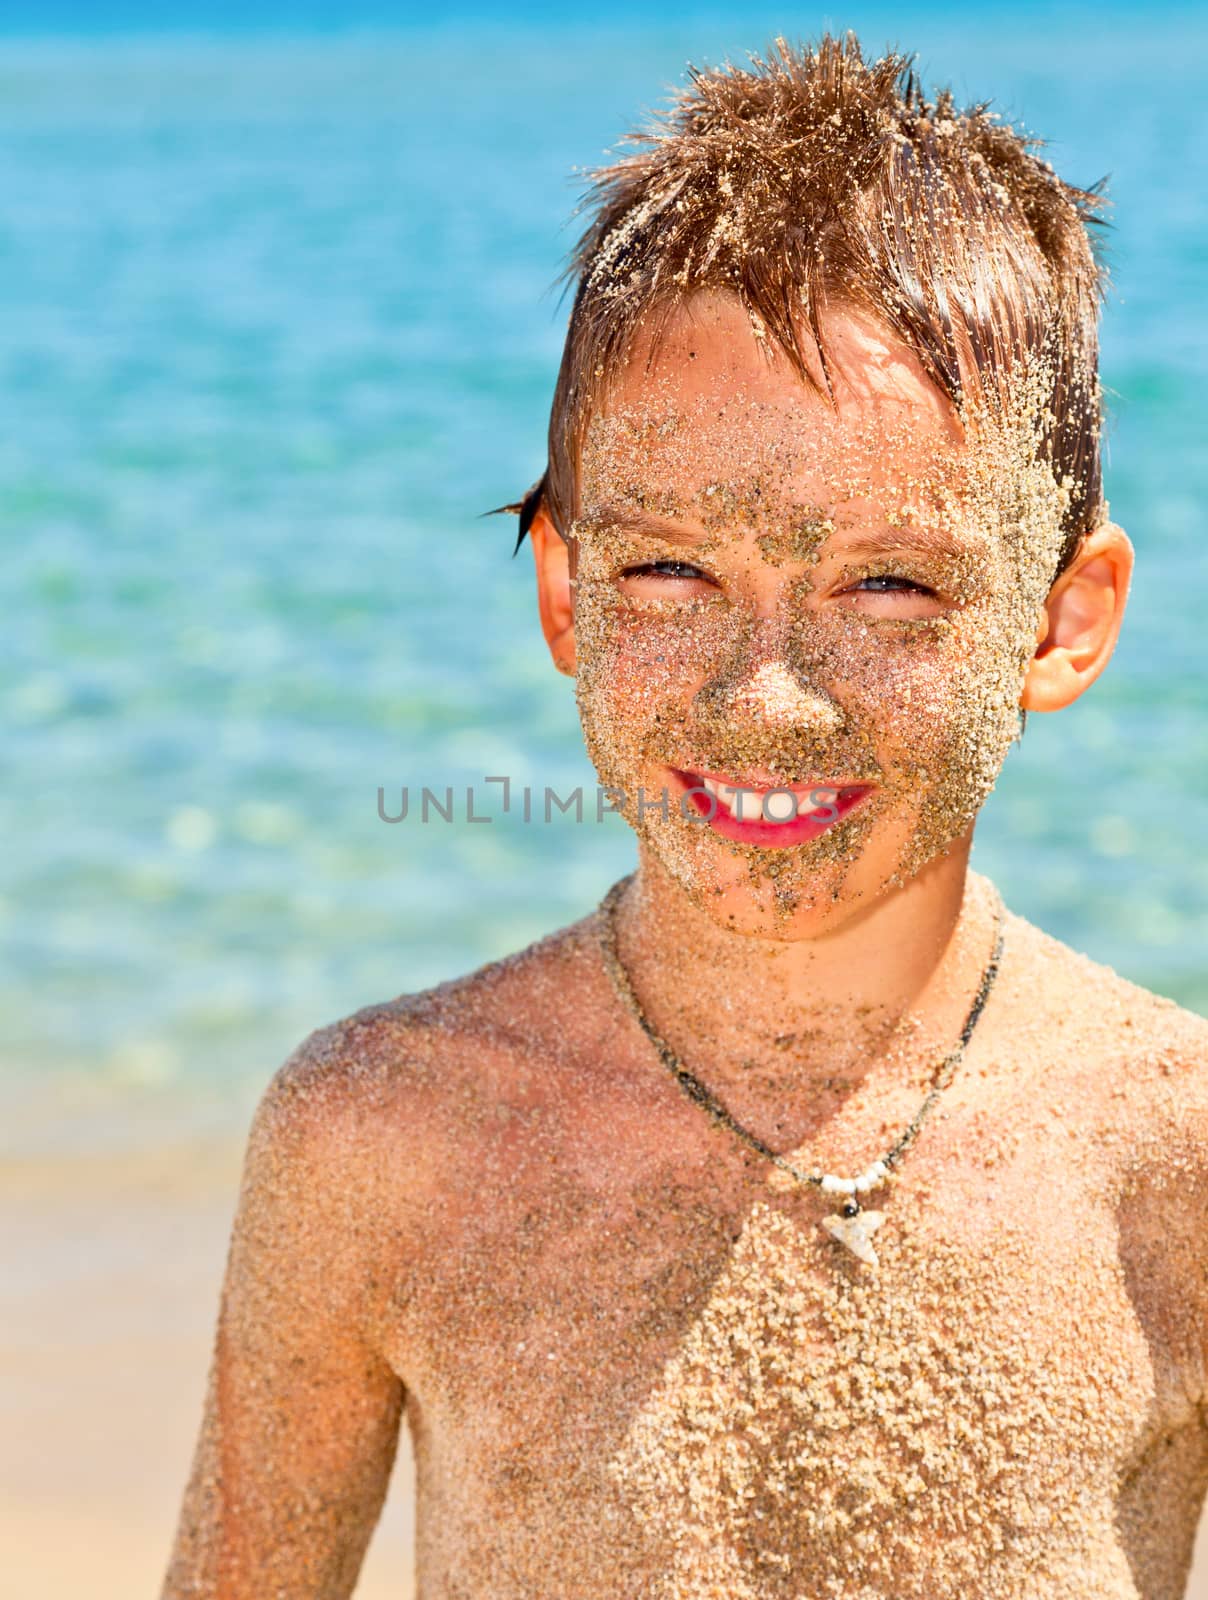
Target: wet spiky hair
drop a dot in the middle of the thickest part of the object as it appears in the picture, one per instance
(811, 177)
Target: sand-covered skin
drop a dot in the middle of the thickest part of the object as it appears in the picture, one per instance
(633, 1360)
(751, 629)
(635, 1367)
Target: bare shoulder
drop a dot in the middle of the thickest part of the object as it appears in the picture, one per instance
(1107, 1038)
(402, 1083)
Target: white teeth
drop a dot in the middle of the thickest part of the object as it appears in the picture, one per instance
(780, 807)
(742, 804)
(748, 805)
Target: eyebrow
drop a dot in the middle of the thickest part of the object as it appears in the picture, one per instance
(883, 541)
(867, 541)
(648, 525)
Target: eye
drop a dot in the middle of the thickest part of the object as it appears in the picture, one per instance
(906, 584)
(667, 569)
(889, 596)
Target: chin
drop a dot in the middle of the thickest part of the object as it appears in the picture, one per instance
(771, 894)
(806, 892)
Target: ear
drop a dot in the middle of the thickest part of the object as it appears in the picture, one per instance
(1080, 621)
(554, 559)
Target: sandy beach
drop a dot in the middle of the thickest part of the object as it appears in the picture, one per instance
(111, 1293)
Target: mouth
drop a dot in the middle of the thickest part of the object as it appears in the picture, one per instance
(756, 809)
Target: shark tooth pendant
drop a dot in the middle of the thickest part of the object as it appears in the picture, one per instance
(854, 1228)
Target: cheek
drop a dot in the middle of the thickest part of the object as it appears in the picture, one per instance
(932, 677)
(644, 660)
(892, 677)
(617, 668)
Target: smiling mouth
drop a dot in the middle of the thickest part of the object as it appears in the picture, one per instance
(757, 810)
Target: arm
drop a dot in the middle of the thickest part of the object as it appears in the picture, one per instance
(301, 1416)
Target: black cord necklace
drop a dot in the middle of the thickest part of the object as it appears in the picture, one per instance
(852, 1226)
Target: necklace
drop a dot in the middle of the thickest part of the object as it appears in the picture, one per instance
(852, 1226)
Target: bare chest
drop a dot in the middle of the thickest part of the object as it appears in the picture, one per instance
(661, 1375)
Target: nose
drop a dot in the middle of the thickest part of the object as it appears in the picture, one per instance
(764, 685)
(773, 693)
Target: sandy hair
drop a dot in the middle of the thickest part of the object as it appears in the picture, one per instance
(811, 178)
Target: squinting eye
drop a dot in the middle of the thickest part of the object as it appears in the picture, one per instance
(666, 569)
(892, 577)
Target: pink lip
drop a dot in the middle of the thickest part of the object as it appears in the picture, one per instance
(769, 835)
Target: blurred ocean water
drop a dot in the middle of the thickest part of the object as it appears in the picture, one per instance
(276, 329)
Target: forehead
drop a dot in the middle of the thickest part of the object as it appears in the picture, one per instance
(716, 408)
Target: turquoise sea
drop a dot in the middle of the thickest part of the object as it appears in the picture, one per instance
(277, 326)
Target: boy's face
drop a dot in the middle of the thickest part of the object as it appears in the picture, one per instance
(779, 592)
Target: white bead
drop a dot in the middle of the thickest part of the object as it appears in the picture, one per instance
(833, 1185)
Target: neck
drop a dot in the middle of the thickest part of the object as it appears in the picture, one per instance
(777, 1027)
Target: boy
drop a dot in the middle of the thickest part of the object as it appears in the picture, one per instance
(800, 1223)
